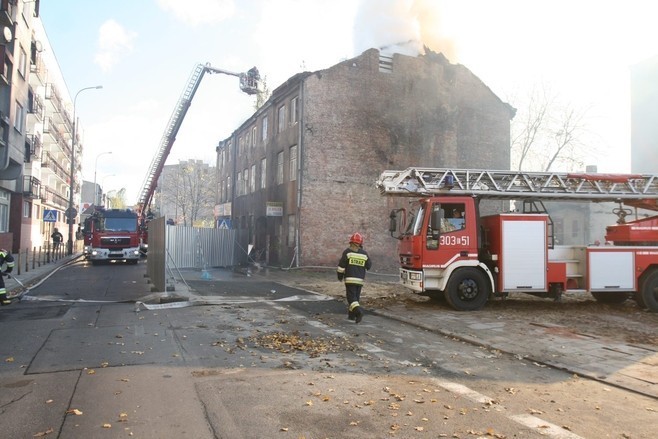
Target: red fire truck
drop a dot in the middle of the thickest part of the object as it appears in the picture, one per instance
(447, 249)
(112, 235)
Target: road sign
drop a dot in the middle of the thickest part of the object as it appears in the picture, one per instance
(71, 212)
(225, 224)
(49, 216)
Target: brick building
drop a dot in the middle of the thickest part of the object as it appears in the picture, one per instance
(298, 177)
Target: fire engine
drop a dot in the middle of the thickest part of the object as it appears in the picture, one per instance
(112, 235)
(447, 249)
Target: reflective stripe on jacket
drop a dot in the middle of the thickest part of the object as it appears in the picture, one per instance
(354, 264)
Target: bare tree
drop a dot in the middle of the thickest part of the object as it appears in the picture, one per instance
(547, 132)
(192, 193)
(117, 199)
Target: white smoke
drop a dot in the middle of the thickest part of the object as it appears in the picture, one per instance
(401, 26)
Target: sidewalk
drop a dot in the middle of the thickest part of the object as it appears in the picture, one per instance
(629, 366)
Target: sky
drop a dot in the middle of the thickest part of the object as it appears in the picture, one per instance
(142, 52)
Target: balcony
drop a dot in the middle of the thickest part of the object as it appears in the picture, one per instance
(31, 187)
(55, 133)
(33, 147)
(48, 196)
(49, 162)
(35, 105)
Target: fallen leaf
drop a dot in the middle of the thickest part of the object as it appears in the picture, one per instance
(48, 401)
(284, 429)
(9, 360)
(43, 433)
(309, 403)
(419, 428)
(74, 412)
(91, 372)
(354, 423)
(106, 425)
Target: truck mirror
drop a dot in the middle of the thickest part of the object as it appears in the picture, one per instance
(392, 222)
(435, 219)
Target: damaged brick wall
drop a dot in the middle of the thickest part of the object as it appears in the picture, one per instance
(359, 121)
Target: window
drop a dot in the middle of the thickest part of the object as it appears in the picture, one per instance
(247, 140)
(293, 163)
(264, 136)
(228, 188)
(245, 183)
(252, 179)
(238, 184)
(240, 147)
(279, 168)
(22, 62)
(27, 209)
(20, 117)
(4, 211)
(222, 194)
(291, 230)
(228, 151)
(575, 228)
(282, 118)
(263, 173)
(253, 136)
(294, 111)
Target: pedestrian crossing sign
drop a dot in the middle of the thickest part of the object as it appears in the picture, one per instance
(49, 216)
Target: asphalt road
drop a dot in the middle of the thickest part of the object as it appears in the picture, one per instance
(250, 358)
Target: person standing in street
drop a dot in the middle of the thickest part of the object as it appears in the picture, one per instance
(57, 238)
(5, 259)
(352, 267)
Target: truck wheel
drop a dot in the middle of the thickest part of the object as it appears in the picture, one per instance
(467, 289)
(603, 297)
(649, 292)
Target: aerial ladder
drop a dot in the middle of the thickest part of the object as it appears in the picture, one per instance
(633, 189)
(248, 84)
(514, 251)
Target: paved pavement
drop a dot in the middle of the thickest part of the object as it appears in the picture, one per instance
(629, 366)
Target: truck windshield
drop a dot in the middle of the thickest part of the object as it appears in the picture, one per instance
(119, 225)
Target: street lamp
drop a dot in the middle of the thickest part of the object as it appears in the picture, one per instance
(71, 212)
(103, 184)
(95, 168)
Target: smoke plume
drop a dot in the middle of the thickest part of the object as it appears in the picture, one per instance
(401, 26)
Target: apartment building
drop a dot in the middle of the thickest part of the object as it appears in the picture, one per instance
(36, 126)
(644, 104)
(298, 177)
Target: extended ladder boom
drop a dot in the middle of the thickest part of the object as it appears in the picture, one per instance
(248, 84)
(632, 189)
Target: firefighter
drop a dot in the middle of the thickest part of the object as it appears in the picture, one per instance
(8, 259)
(352, 268)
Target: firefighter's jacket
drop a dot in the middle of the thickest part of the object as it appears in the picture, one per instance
(353, 265)
(6, 258)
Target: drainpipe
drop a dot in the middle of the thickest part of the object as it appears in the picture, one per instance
(300, 155)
